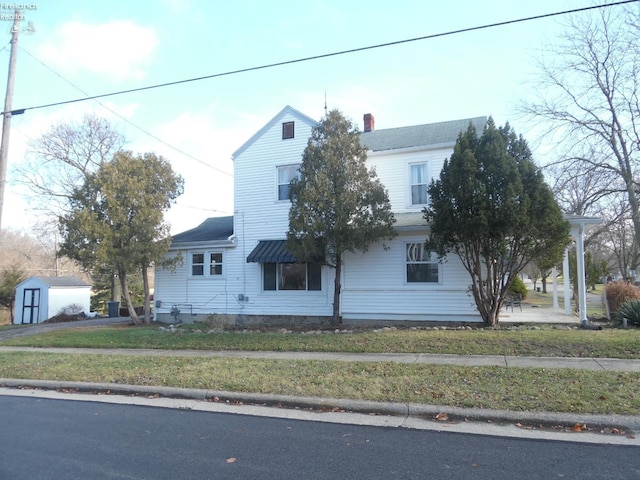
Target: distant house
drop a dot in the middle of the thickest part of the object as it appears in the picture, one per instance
(40, 298)
(237, 268)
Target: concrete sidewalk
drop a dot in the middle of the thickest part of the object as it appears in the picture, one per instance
(612, 364)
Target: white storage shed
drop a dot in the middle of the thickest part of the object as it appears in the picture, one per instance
(40, 298)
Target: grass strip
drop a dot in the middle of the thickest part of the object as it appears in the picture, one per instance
(517, 389)
(610, 343)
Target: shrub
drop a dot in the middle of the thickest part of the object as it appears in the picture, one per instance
(71, 309)
(618, 293)
(630, 311)
(518, 286)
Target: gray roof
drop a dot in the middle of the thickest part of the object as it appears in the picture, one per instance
(63, 281)
(214, 228)
(410, 219)
(432, 134)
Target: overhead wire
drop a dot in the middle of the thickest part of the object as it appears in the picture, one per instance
(325, 55)
(146, 132)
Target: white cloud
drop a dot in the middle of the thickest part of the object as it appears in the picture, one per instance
(120, 49)
(208, 139)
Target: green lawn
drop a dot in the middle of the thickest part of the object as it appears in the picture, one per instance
(519, 389)
(546, 342)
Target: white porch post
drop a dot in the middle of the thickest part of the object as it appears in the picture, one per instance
(582, 288)
(567, 287)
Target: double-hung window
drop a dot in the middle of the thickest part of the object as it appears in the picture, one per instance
(419, 184)
(292, 276)
(286, 174)
(206, 264)
(422, 265)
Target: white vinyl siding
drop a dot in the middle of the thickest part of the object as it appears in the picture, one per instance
(374, 287)
(374, 284)
(261, 216)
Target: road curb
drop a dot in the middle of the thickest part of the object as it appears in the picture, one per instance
(436, 413)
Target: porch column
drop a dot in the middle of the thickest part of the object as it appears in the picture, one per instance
(567, 287)
(582, 288)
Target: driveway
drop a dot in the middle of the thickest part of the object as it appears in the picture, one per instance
(24, 330)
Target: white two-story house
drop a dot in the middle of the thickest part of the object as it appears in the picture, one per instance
(236, 270)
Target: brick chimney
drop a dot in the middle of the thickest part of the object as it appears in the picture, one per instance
(369, 123)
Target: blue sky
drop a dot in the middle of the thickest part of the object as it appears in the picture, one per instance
(104, 47)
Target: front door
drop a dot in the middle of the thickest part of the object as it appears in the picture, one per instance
(31, 305)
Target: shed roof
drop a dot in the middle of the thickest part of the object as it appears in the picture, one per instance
(61, 281)
(432, 134)
(212, 229)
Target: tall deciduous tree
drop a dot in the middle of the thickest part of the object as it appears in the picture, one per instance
(492, 208)
(116, 219)
(63, 157)
(337, 204)
(589, 94)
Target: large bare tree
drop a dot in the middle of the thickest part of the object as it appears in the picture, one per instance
(589, 95)
(63, 157)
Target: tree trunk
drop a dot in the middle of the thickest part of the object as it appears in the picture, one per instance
(147, 303)
(335, 319)
(127, 296)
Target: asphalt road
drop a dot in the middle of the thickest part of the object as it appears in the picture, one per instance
(63, 439)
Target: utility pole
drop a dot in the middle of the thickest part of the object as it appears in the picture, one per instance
(8, 102)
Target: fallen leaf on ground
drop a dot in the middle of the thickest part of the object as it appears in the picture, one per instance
(579, 427)
(231, 460)
(442, 416)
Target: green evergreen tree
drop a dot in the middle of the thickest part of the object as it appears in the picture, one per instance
(492, 208)
(10, 279)
(116, 221)
(337, 204)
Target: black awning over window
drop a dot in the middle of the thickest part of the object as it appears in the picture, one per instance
(270, 251)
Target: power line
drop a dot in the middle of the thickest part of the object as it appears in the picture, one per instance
(326, 55)
(126, 119)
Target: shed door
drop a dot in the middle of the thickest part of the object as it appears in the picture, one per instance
(31, 305)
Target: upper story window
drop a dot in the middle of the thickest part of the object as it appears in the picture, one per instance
(419, 184)
(213, 260)
(286, 173)
(288, 130)
(422, 265)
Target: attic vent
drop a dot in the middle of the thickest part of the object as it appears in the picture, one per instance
(287, 130)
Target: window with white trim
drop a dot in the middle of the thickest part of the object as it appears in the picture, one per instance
(286, 173)
(419, 184)
(292, 276)
(212, 261)
(422, 265)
